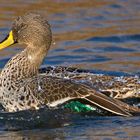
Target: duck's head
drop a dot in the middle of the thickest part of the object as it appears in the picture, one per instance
(31, 29)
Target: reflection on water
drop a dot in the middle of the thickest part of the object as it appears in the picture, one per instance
(96, 35)
(83, 128)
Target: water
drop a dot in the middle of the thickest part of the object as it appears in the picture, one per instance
(102, 36)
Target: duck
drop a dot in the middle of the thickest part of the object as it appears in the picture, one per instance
(22, 87)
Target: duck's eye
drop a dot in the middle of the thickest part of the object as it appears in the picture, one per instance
(22, 27)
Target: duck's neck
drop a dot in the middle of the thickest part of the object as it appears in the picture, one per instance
(24, 65)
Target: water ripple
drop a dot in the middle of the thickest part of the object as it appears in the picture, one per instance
(116, 39)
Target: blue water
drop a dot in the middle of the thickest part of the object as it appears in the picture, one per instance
(102, 36)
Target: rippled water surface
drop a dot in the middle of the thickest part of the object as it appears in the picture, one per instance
(97, 35)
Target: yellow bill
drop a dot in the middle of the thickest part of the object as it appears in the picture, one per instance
(7, 41)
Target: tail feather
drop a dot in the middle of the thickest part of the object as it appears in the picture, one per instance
(129, 108)
(106, 103)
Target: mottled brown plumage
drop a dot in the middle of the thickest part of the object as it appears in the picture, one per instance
(118, 87)
(22, 87)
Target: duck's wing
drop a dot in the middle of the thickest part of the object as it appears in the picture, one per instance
(53, 91)
(120, 87)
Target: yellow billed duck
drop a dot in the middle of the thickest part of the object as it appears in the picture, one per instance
(22, 87)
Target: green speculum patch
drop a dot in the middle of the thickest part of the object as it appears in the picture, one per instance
(77, 106)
